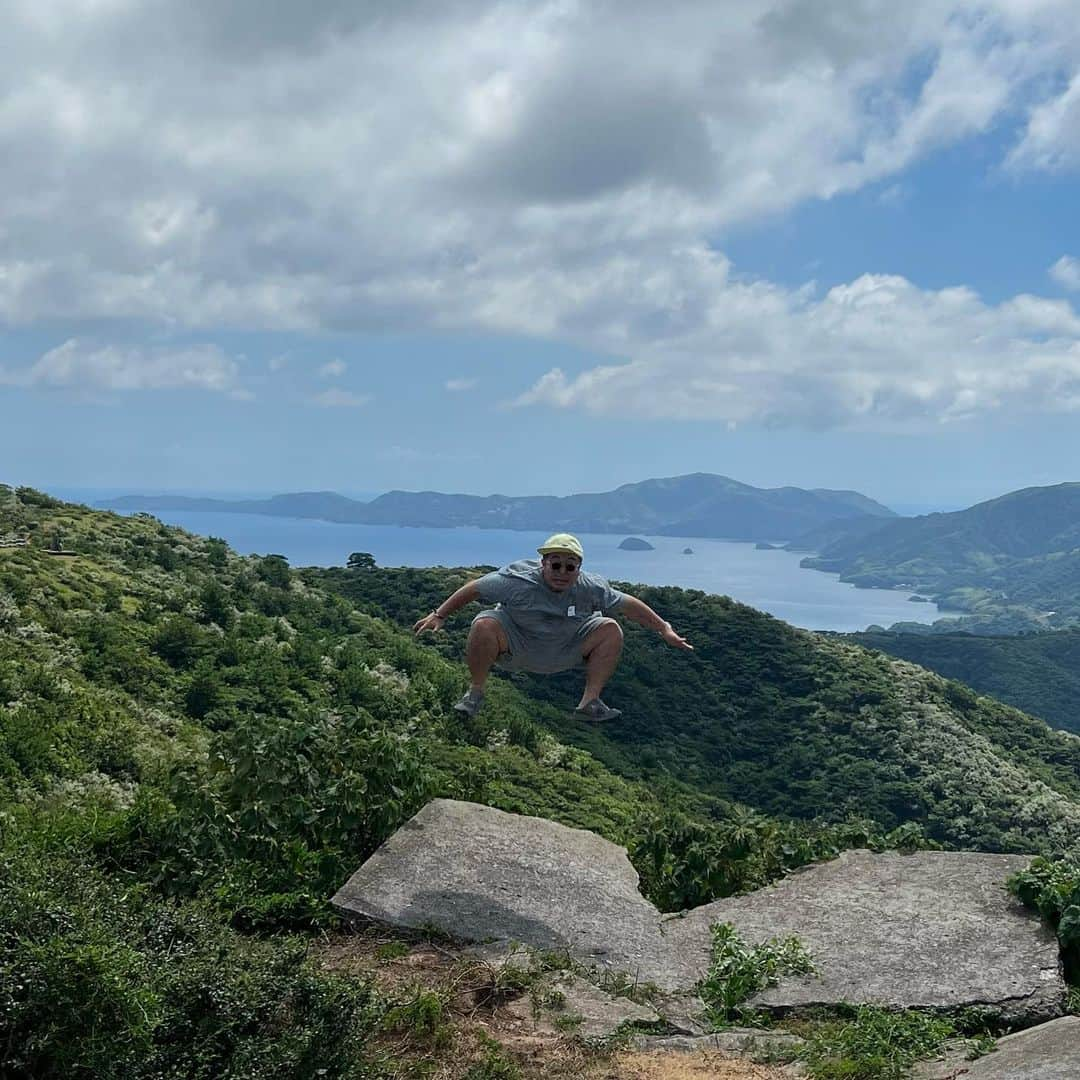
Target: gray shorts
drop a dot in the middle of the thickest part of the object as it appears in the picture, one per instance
(543, 658)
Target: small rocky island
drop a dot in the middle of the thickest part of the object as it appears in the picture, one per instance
(688, 551)
(635, 543)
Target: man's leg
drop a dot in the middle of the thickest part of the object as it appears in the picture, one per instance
(601, 651)
(487, 641)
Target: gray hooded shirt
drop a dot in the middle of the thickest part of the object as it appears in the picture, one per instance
(546, 618)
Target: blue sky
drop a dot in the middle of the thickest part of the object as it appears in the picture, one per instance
(535, 248)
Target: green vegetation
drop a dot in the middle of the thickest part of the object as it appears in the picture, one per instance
(494, 1066)
(1038, 673)
(737, 970)
(873, 1044)
(99, 977)
(787, 723)
(1053, 889)
(197, 749)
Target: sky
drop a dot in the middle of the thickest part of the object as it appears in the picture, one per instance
(532, 247)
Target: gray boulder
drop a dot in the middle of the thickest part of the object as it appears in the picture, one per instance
(935, 929)
(480, 874)
(1047, 1052)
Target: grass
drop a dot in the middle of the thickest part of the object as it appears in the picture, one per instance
(873, 1044)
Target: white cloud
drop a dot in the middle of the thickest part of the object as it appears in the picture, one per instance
(339, 399)
(81, 365)
(338, 168)
(877, 352)
(1052, 138)
(456, 386)
(304, 169)
(1066, 272)
(332, 369)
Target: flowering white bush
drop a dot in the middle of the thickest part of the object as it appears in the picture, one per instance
(9, 612)
(392, 679)
(92, 789)
(498, 739)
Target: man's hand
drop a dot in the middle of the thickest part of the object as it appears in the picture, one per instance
(675, 640)
(431, 621)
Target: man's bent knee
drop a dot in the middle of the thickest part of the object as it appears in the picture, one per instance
(607, 632)
(487, 633)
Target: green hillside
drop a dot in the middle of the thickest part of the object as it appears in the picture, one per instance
(1038, 673)
(1013, 561)
(196, 749)
(793, 723)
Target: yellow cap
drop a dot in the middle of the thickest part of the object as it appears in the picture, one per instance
(562, 542)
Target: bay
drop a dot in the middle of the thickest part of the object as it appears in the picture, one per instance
(771, 581)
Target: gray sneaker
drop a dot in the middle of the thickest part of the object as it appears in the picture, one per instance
(597, 711)
(470, 703)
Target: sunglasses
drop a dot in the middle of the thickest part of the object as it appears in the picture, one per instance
(559, 566)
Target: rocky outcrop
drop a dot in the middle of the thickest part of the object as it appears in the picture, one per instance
(935, 929)
(564, 1001)
(480, 874)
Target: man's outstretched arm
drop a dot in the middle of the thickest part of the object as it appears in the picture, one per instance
(434, 620)
(638, 611)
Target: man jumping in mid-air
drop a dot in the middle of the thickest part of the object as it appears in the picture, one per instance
(549, 615)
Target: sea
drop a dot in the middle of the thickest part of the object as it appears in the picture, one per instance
(771, 581)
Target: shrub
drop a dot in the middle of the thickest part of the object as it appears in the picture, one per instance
(274, 570)
(100, 979)
(737, 970)
(179, 641)
(422, 1016)
(1052, 887)
(286, 808)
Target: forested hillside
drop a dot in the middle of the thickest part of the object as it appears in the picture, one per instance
(794, 723)
(196, 749)
(1038, 673)
(1012, 561)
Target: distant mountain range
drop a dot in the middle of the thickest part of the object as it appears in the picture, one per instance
(1017, 556)
(700, 504)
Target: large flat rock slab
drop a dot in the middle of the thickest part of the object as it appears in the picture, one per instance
(1047, 1052)
(480, 874)
(934, 929)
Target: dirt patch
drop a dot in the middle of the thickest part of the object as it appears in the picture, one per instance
(668, 1066)
(474, 1025)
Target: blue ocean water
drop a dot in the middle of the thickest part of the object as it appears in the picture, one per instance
(771, 581)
